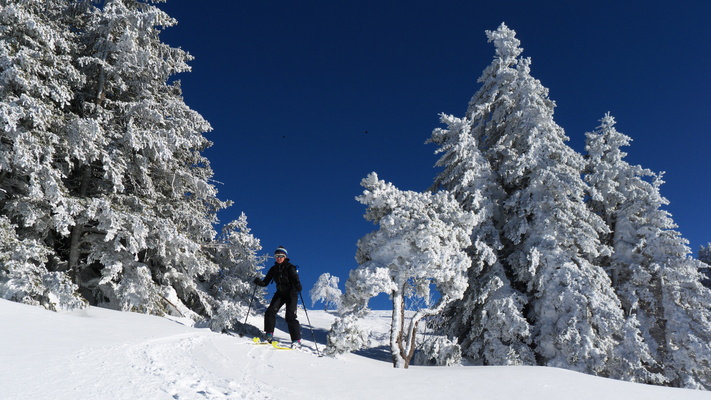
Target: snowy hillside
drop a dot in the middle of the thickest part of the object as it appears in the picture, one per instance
(103, 354)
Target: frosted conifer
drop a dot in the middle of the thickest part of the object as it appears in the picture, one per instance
(705, 270)
(549, 238)
(101, 161)
(36, 91)
(235, 250)
(656, 279)
(142, 203)
(488, 320)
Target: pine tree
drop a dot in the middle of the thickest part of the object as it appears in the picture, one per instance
(420, 243)
(142, 200)
(656, 279)
(614, 184)
(24, 277)
(488, 320)
(36, 90)
(705, 270)
(235, 250)
(102, 167)
(549, 237)
(705, 254)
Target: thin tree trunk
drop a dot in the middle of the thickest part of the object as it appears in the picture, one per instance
(396, 330)
(402, 342)
(78, 228)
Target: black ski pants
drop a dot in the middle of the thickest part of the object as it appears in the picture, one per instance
(291, 300)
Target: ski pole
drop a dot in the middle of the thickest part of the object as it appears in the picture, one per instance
(303, 304)
(254, 292)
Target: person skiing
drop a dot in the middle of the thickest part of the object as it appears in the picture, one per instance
(288, 287)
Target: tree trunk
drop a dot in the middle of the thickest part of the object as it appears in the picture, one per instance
(396, 330)
(402, 342)
(78, 228)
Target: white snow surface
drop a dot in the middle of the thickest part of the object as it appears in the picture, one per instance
(103, 354)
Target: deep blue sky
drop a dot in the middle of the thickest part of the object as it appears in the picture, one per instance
(306, 98)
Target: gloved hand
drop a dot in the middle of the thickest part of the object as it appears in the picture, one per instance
(259, 282)
(298, 288)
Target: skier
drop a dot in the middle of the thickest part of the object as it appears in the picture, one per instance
(288, 287)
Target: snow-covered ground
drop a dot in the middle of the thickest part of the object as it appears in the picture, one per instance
(102, 354)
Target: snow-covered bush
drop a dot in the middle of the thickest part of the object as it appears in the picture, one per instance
(438, 350)
(134, 291)
(346, 336)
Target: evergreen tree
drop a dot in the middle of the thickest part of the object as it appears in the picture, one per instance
(24, 277)
(656, 280)
(36, 90)
(705, 254)
(614, 184)
(142, 200)
(549, 237)
(488, 320)
(705, 258)
(420, 243)
(236, 252)
(101, 168)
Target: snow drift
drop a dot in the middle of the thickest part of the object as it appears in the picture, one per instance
(99, 353)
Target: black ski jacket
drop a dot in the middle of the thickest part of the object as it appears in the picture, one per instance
(284, 275)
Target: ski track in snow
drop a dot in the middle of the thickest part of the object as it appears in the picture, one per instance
(190, 364)
(192, 367)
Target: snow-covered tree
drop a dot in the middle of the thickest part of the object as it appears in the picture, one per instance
(488, 320)
(101, 159)
(326, 290)
(705, 258)
(549, 238)
(236, 252)
(657, 281)
(687, 311)
(24, 277)
(36, 90)
(141, 200)
(705, 254)
(419, 245)
(346, 335)
(438, 350)
(613, 183)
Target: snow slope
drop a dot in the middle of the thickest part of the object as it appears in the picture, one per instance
(103, 354)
